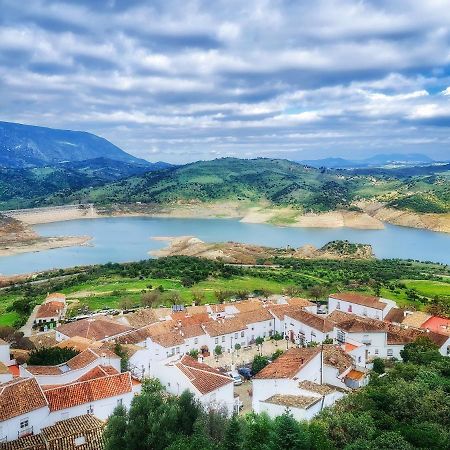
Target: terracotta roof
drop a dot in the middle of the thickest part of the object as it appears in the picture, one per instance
(220, 327)
(32, 442)
(246, 306)
(79, 393)
(186, 319)
(438, 325)
(98, 372)
(75, 426)
(293, 401)
(142, 317)
(41, 340)
(416, 319)
(49, 309)
(312, 320)
(356, 324)
(205, 378)
(3, 369)
(79, 361)
(395, 315)
(322, 389)
(78, 343)
(349, 347)
(359, 299)
(260, 315)
(288, 364)
(355, 375)
(300, 302)
(335, 356)
(20, 396)
(135, 336)
(199, 309)
(97, 329)
(280, 311)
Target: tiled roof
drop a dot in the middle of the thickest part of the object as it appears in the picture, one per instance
(293, 401)
(3, 369)
(322, 389)
(312, 320)
(98, 372)
(98, 328)
(142, 317)
(356, 324)
(190, 319)
(438, 325)
(205, 378)
(62, 435)
(78, 343)
(300, 302)
(355, 375)
(289, 363)
(79, 361)
(335, 356)
(20, 396)
(32, 442)
(280, 311)
(49, 309)
(135, 336)
(199, 309)
(395, 315)
(42, 340)
(79, 393)
(220, 327)
(260, 315)
(416, 319)
(364, 300)
(246, 306)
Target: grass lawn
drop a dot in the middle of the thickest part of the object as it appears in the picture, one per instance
(429, 288)
(108, 293)
(7, 319)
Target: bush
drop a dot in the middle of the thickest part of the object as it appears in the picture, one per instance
(51, 356)
(259, 362)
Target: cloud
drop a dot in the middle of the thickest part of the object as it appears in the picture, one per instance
(182, 79)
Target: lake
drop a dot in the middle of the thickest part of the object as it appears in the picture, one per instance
(129, 239)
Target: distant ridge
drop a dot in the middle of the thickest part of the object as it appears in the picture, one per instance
(24, 146)
(380, 160)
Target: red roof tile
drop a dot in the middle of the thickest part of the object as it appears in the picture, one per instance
(79, 393)
(312, 320)
(364, 300)
(98, 329)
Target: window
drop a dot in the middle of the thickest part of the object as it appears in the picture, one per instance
(178, 349)
(376, 351)
(390, 352)
(349, 308)
(242, 334)
(196, 341)
(235, 335)
(90, 410)
(365, 312)
(359, 359)
(119, 401)
(338, 305)
(24, 423)
(223, 338)
(80, 440)
(340, 337)
(216, 341)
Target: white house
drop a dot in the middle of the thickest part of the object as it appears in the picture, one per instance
(97, 396)
(360, 305)
(23, 408)
(212, 388)
(303, 327)
(226, 333)
(295, 380)
(73, 369)
(5, 354)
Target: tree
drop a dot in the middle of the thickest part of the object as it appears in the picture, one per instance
(198, 297)
(233, 435)
(258, 432)
(378, 365)
(151, 299)
(174, 298)
(188, 413)
(318, 291)
(218, 351)
(126, 303)
(421, 351)
(276, 354)
(51, 356)
(287, 432)
(258, 364)
(237, 347)
(193, 353)
(120, 351)
(259, 342)
(115, 430)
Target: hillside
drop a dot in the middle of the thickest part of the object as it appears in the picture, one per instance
(31, 146)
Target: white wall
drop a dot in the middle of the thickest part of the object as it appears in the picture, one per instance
(299, 414)
(5, 355)
(310, 334)
(37, 420)
(359, 310)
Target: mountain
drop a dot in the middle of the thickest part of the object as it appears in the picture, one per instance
(30, 146)
(381, 160)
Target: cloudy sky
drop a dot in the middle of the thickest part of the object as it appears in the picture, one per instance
(187, 80)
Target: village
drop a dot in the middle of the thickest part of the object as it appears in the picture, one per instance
(311, 358)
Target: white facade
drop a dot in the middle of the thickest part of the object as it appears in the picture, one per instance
(29, 423)
(361, 310)
(5, 354)
(301, 333)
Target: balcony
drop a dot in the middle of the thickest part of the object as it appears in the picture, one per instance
(25, 432)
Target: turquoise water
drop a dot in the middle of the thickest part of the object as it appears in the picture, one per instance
(129, 239)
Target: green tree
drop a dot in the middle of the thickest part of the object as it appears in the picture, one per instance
(51, 356)
(259, 342)
(378, 365)
(258, 364)
(233, 434)
(258, 432)
(421, 351)
(124, 360)
(150, 299)
(188, 413)
(115, 430)
(287, 432)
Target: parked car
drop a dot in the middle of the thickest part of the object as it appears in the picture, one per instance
(237, 380)
(245, 372)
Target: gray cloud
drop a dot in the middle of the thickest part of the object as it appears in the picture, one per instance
(182, 80)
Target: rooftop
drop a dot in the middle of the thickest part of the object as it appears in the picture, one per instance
(359, 299)
(438, 325)
(224, 326)
(288, 364)
(97, 328)
(416, 319)
(293, 401)
(20, 396)
(322, 389)
(312, 320)
(205, 378)
(81, 392)
(78, 343)
(49, 309)
(335, 356)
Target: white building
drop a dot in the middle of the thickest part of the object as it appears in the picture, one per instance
(5, 354)
(303, 327)
(212, 388)
(23, 408)
(298, 380)
(52, 310)
(360, 305)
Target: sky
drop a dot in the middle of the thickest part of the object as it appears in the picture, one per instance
(185, 80)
